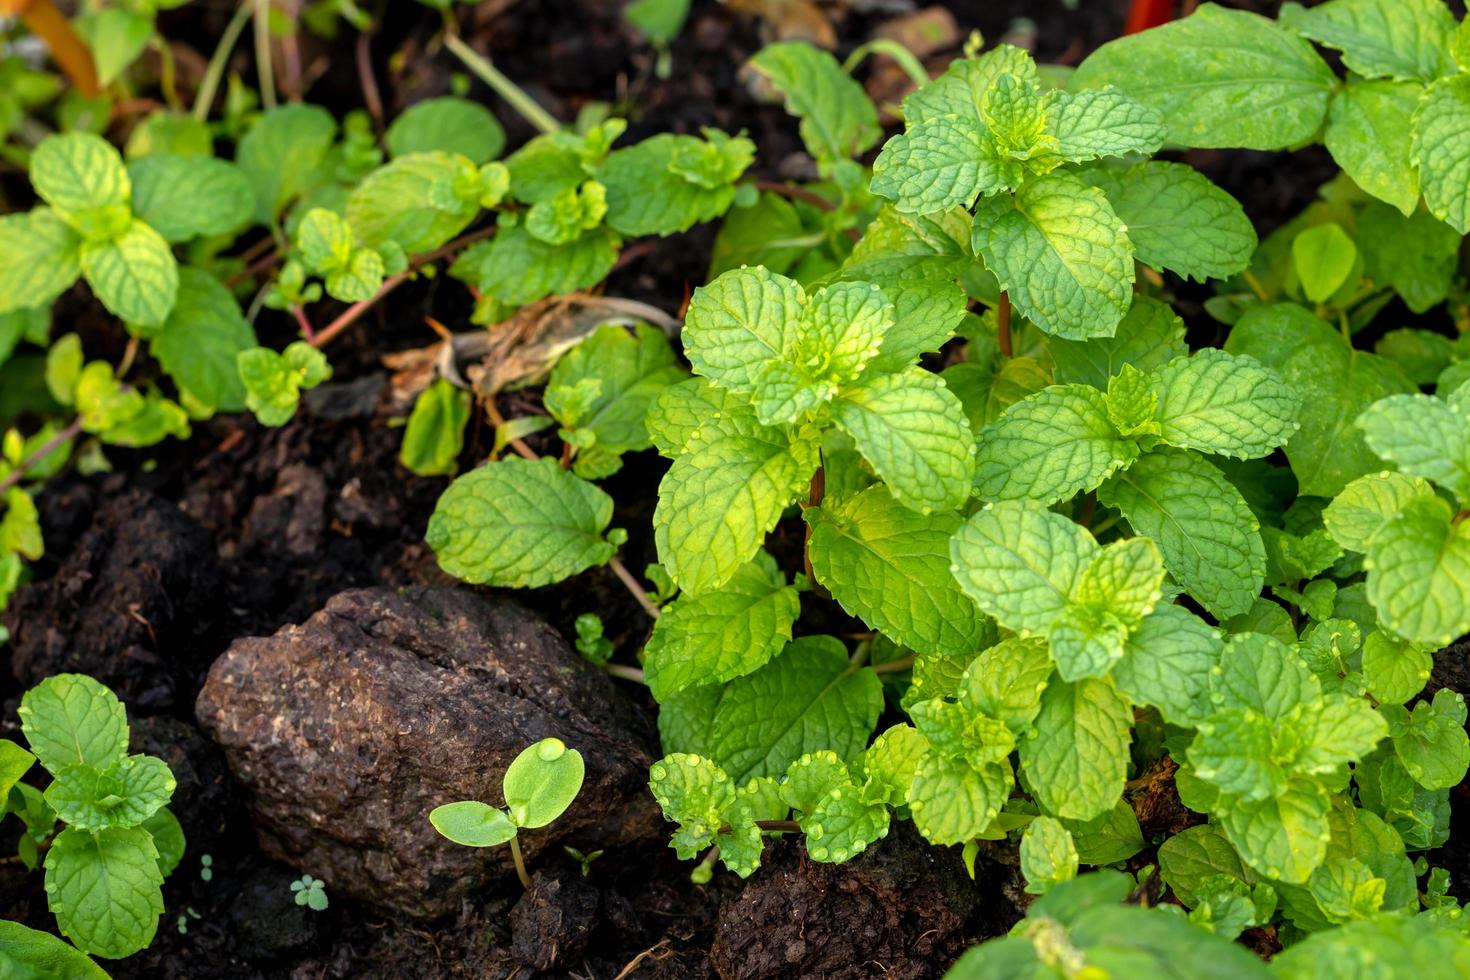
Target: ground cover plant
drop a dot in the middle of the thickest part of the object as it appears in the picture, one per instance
(997, 484)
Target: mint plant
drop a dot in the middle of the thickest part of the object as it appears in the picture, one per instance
(538, 786)
(116, 841)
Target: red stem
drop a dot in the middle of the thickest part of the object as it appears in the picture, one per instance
(1145, 14)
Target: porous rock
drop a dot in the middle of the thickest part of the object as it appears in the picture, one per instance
(347, 730)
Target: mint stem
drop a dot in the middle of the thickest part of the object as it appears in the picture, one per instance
(508, 90)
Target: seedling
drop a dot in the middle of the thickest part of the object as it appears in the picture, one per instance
(117, 840)
(585, 860)
(310, 892)
(538, 787)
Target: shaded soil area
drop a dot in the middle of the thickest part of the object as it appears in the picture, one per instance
(154, 569)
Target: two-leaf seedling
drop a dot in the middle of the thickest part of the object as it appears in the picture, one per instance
(538, 787)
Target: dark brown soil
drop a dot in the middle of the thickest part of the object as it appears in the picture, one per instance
(151, 571)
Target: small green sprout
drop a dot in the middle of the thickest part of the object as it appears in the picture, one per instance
(590, 641)
(311, 893)
(585, 860)
(206, 867)
(539, 786)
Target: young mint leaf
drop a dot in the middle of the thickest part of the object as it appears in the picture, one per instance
(986, 391)
(1229, 405)
(1334, 382)
(419, 201)
(134, 275)
(124, 794)
(1005, 681)
(446, 124)
(1192, 858)
(124, 416)
(965, 83)
(1323, 257)
(1062, 253)
(1367, 503)
(808, 698)
(71, 719)
(1431, 741)
(1117, 589)
(184, 197)
(722, 633)
(938, 164)
(1401, 39)
(888, 765)
(283, 155)
(1102, 123)
(562, 218)
(739, 322)
(20, 528)
(912, 247)
(40, 257)
(698, 795)
(1283, 837)
(912, 430)
(1115, 836)
(81, 176)
(652, 189)
(472, 823)
(1394, 670)
(1443, 162)
(1021, 563)
(1149, 336)
(1369, 135)
(541, 782)
(434, 436)
(105, 889)
(925, 315)
(1048, 855)
(1177, 219)
(1078, 759)
(168, 838)
(1049, 446)
(1271, 91)
(1397, 945)
(520, 523)
(838, 120)
(951, 802)
(516, 267)
(680, 409)
(1424, 437)
(274, 382)
(889, 566)
(201, 341)
(1415, 255)
(1210, 540)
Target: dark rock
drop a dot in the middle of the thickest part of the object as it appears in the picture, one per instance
(266, 919)
(347, 730)
(902, 910)
(125, 606)
(552, 923)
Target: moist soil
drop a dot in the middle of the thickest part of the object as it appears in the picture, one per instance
(154, 568)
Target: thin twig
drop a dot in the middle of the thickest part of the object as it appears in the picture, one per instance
(264, 68)
(45, 449)
(368, 81)
(217, 61)
(894, 666)
(508, 90)
(639, 593)
(625, 672)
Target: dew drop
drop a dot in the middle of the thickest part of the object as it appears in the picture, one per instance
(551, 749)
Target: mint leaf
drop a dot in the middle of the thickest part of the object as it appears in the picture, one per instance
(283, 155)
(1394, 670)
(1209, 538)
(680, 409)
(418, 202)
(434, 436)
(168, 838)
(447, 124)
(1415, 255)
(184, 197)
(1006, 680)
(808, 698)
(838, 120)
(1149, 336)
(71, 719)
(1049, 446)
(134, 275)
(1102, 123)
(1382, 38)
(520, 523)
(913, 432)
(722, 633)
(889, 566)
(1431, 742)
(1282, 837)
(938, 164)
(200, 342)
(40, 257)
(124, 794)
(1177, 219)
(1334, 382)
(26, 952)
(1270, 92)
(1443, 160)
(1225, 404)
(696, 794)
(274, 382)
(1189, 860)
(1423, 436)
(951, 802)
(80, 175)
(1078, 760)
(1323, 257)
(1117, 589)
(740, 321)
(1366, 504)
(1020, 563)
(1369, 135)
(105, 889)
(518, 268)
(1062, 253)
(648, 195)
(1048, 855)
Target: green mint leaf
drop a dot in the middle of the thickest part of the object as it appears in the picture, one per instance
(1265, 675)
(20, 528)
(1432, 743)
(986, 391)
(448, 125)
(1394, 670)
(168, 838)
(938, 164)
(694, 793)
(679, 411)
(1115, 836)
(167, 131)
(541, 782)
(1005, 681)
(472, 823)
(1210, 540)
(1414, 255)
(1335, 384)
(1149, 336)
(40, 257)
(838, 120)
(911, 247)
(1049, 446)
(889, 566)
(1367, 503)
(1048, 855)
(888, 765)
(15, 762)
(415, 201)
(808, 698)
(722, 496)
(80, 175)
(134, 275)
(1226, 404)
(1271, 90)
(837, 822)
(722, 633)
(71, 719)
(951, 802)
(925, 315)
(1381, 38)
(26, 952)
(739, 322)
(648, 195)
(283, 155)
(105, 889)
(914, 433)
(125, 794)
(434, 436)
(274, 381)
(200, 342)
(516, 267)
(1369, 135)
(1177, 219)
(124, 416)
(1399, 945)
(1078, 759)
(184, 197)
(965, 83)
(1117, 589)
(1323, 257)
(1340, 731)
(1015, 113)
(1102, 123)
(1021, 563)
(1062, 253)
(1192, 858)
(1443, 161)
(1423, 436)
(520, 523)
(1423, 354)
(1283, 838)
(563, 217)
